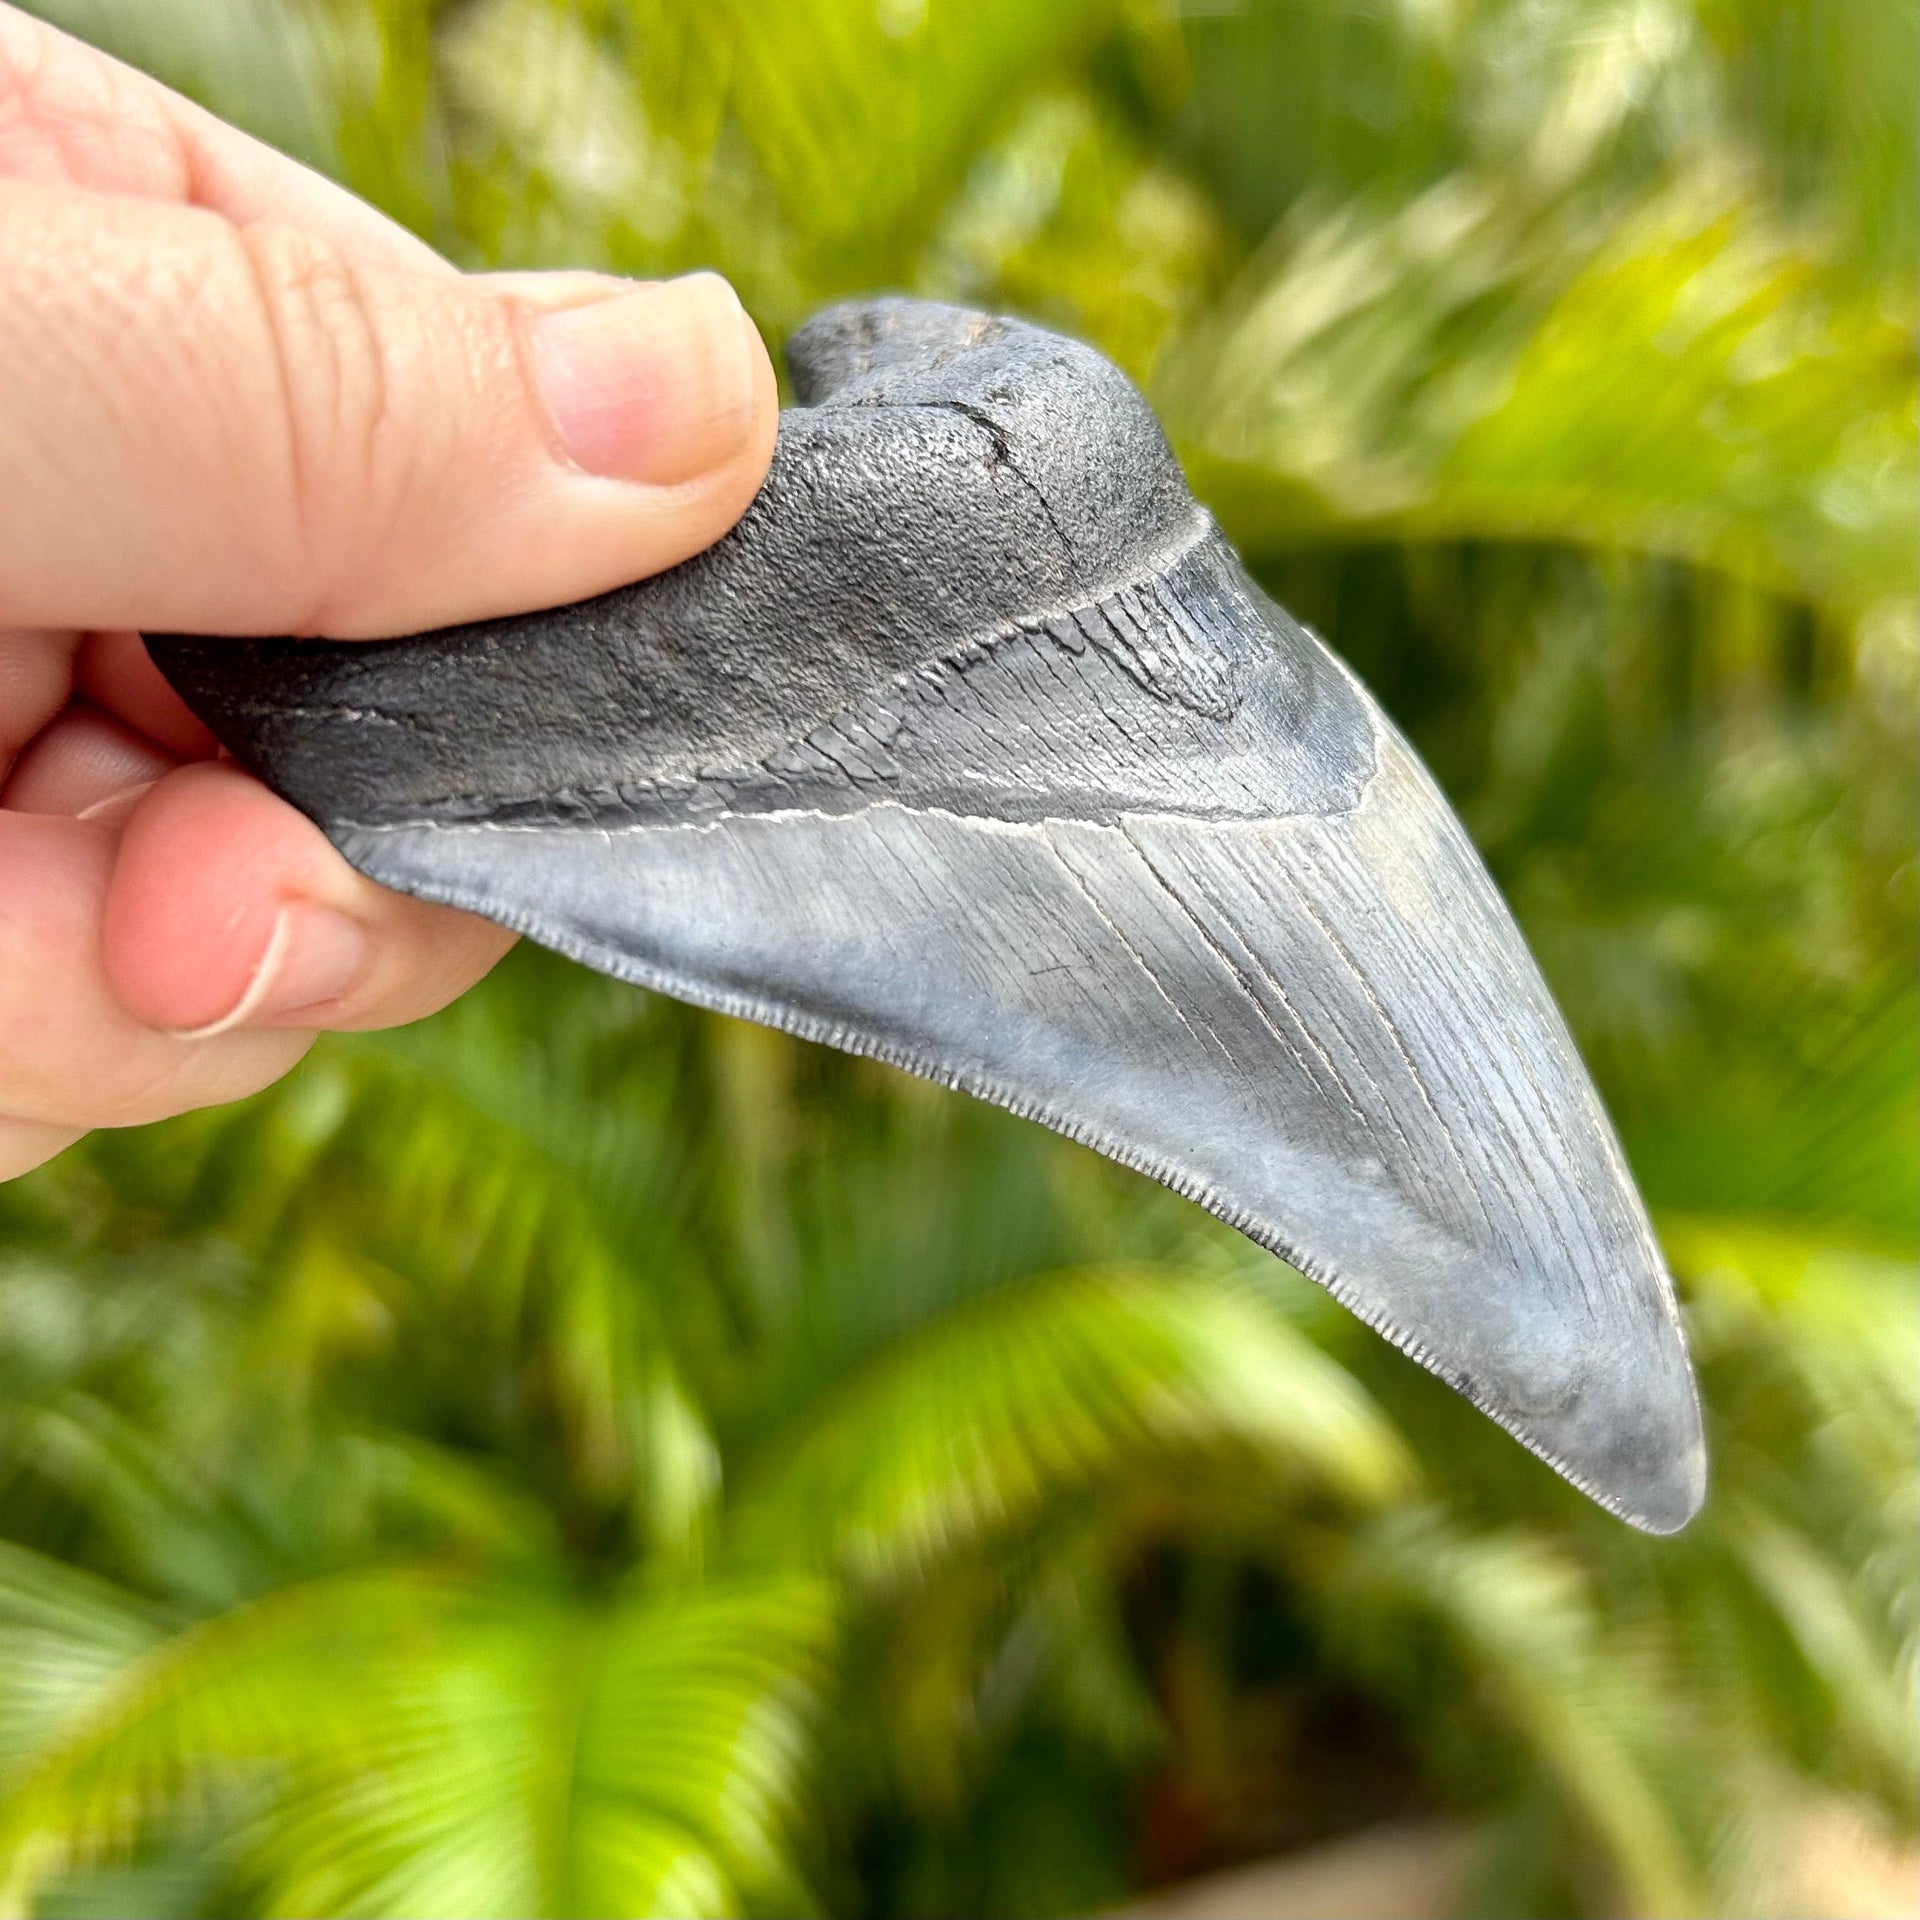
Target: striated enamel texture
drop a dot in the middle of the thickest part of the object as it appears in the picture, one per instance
(975, 749)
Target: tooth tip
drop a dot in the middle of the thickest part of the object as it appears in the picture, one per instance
(1642, 1454)
(1671, 1495)
(1600, 1386)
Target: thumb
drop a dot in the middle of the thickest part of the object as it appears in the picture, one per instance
(247, 429)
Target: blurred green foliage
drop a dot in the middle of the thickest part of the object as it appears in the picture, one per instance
(580, 1456)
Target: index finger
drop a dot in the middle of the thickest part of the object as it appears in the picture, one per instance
(73, 116)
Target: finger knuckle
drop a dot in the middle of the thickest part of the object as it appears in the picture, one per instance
(332, 359)
(68, 113)
(24, 50)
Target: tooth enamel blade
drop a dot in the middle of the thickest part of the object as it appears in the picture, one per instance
(1323, 1027)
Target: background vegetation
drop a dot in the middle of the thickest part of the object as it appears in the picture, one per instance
(583, 1457)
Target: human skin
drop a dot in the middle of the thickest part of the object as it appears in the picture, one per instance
(234, 399)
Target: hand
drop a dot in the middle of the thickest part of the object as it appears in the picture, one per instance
(234, 399)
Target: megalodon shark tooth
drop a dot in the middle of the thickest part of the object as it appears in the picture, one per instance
(975, 748)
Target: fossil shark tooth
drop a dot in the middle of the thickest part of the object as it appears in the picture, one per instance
(975, 748)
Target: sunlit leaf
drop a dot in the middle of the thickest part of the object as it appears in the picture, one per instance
(1051, 1389)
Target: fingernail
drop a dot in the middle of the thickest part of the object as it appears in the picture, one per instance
(656, 385)
(113, 810)
(313, 956)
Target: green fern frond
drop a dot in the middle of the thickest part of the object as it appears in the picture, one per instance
(413, 1743)
(1043, 1391)
(1520, 1624)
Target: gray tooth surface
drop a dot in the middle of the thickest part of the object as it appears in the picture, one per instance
(1095, 832)
(1323, 1029)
